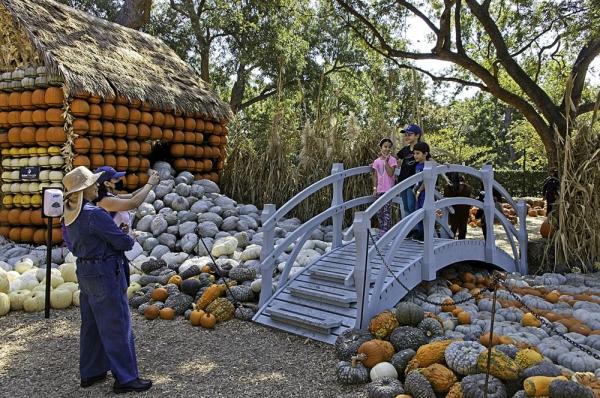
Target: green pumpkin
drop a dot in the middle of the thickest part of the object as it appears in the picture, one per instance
(347, 343)
(569, 389)
(473, 386)
(384, 388)
(418, 386)
(401, 359)
(461, 356)
(351, 372)
(409, 314)
(431, 327)
(404, 337)
(222, 309)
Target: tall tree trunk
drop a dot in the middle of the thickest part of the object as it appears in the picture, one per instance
(135, 13)
(239, 88)
(205, 63)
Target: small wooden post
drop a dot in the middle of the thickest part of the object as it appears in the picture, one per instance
(337, 198)
(362, 270)
(266, 266)
(429, 179)
(522, 213)
(488, 210)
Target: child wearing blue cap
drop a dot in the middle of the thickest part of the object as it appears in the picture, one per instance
(412, 135)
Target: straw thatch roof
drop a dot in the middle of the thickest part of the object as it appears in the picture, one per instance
(106, 59)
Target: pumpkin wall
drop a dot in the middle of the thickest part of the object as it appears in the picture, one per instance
(31, 134)
(39, 127)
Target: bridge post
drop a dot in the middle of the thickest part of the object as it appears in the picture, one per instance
(337, 198)
(429, 179)
(487, 175)
(362, 270)
(266, 270)
(522, 213)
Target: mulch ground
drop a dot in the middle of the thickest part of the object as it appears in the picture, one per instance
(40, 358)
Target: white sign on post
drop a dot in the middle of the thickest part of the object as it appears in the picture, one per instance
(53, 202)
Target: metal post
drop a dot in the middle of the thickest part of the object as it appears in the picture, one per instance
(522, 213)
(266, 267)
(48, 267)
(487, 174)
(362, 270)
(337, 198)
(429, 179)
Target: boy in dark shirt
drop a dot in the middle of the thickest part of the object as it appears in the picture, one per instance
(412, 135)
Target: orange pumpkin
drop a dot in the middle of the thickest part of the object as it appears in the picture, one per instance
(56, 135)
(159, 294)
(54, 96)
(151, 312)
(196, 316)
(167, 313)
(208, 321)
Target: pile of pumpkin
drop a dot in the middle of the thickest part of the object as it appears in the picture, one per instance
(24, 288)
(420, 350)
(535, 208)
(405, 354)
(198, 298)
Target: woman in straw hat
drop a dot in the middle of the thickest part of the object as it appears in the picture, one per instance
(106, 338)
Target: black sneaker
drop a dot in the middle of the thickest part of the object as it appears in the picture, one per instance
(85, 383)
(137, 385)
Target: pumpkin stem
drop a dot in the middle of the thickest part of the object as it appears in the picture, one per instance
(357, 358)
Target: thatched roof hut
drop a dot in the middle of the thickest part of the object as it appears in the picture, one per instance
(79, 90)
(100, 57)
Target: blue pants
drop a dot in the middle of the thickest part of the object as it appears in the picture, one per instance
(408, 201)
(420, 202)
(106, 338)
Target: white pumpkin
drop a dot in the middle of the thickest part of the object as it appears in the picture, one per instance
(15, 187)
(28, 281)
(61, 298)
(76, 298)
(15, 285)
(4, 304)
(12, 275)
(17, 298)
(6, 188)
(70, 258)
(44, 175)
(68, 272)
(23, 162)
(55, 175)
(135, 278)
(41, 273)
(35, 303)
(72, 286)
(55, 281)
(33, 161)
(40, 288)
(133, 287)
(383, 369)
(4, 283)
(23, 265)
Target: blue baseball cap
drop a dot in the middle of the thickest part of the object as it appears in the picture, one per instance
(412, 129)
(108, 173)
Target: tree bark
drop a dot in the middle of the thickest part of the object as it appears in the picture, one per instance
(239, 88)
(135, 13)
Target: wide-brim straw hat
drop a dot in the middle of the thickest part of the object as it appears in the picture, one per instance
(75, 181)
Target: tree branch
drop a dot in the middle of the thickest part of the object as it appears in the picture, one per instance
(538, 96)
(420, 15)
(458, 28)
(579, 71)
(585, 108)
(443, 37)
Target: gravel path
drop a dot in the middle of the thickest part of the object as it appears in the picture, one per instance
(40, 357)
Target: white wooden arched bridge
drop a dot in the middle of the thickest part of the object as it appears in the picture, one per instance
(349, 284)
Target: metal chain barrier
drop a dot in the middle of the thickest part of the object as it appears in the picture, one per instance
(496, 281)
(551, 327)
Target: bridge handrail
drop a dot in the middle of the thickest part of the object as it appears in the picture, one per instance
(311, 189)
(268, 262)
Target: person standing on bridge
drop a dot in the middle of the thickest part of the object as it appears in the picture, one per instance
(383, 180)
(460, 218)
(412, 135)
(421, 153)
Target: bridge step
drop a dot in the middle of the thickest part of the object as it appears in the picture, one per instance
(315, 320)
(324, 294)
(328, 275)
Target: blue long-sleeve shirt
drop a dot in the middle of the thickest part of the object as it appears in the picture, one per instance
(94, 234)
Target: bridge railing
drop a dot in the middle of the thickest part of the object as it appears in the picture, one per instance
(361, 276)
(270, 216)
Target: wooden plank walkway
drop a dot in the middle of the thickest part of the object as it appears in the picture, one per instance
(317, 304)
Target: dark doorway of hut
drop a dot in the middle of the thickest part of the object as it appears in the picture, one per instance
(161, 151)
